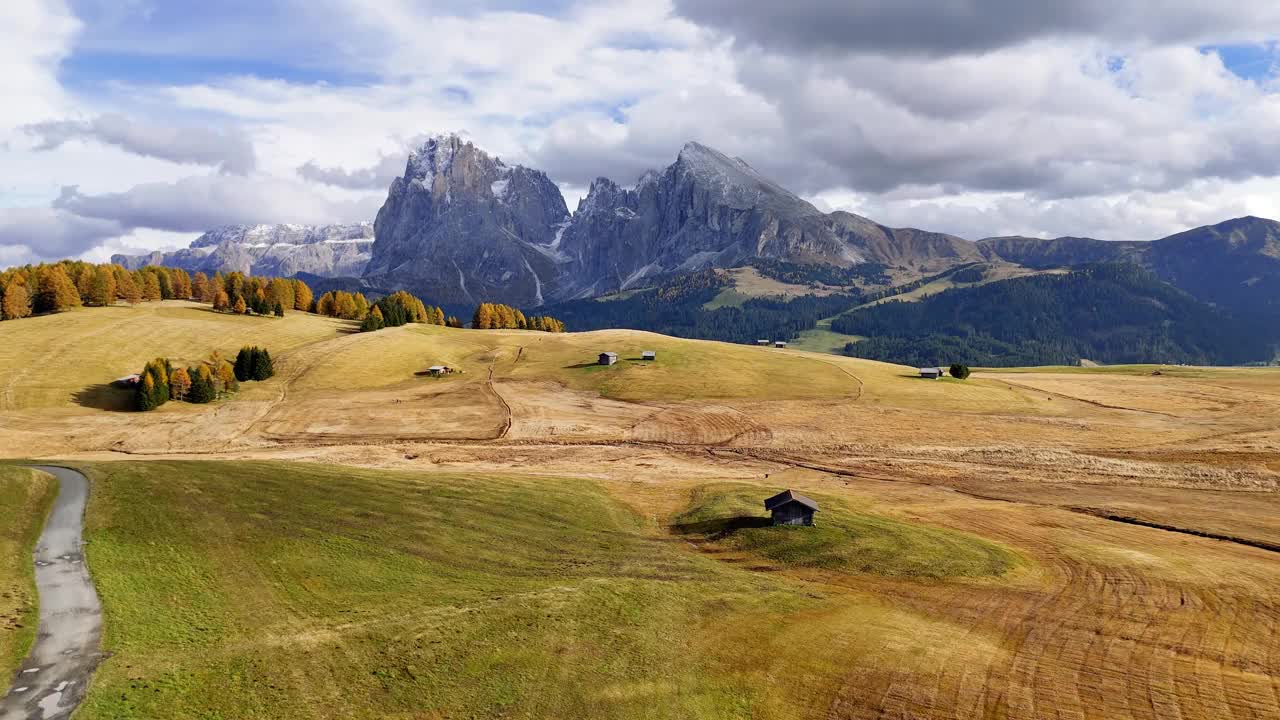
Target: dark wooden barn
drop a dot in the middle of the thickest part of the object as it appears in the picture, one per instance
(791, 508)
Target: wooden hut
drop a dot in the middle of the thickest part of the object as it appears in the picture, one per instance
(649, 355)
(790, 508)
(779, 343)
(762, 343)
(932, 373)
(608, 358)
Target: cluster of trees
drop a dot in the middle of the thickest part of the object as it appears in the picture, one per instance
(61, 286)
(400, 308)
(253, 363)
(341, 304)
(495, 316)
(1112, 313)
(242, 294)
(160, 382)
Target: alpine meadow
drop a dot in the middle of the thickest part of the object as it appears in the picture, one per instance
(631, 359)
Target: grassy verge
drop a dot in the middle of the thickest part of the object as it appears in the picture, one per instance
(25, 499)
(842, 539)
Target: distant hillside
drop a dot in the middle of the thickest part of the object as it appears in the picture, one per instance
(1111, 313)
(1233, 264)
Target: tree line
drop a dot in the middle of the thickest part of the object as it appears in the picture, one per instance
(57, 287)
(495, 316)
(61, 286)
(243, 294)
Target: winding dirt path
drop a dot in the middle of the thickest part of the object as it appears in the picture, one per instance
(53, 679)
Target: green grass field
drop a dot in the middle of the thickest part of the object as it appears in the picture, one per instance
(823, 339)
(842, 538)
(25, 499)
(274, 590)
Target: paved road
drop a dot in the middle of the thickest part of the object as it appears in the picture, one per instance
(55, 675)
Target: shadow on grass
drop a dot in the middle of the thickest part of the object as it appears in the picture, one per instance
(105, 397)
(583, 366)
(719, 527)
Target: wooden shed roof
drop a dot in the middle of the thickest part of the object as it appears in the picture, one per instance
(789, 496)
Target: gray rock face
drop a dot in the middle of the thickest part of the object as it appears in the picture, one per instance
(274, 250)
(710, 210)
(706, 209)
(462, 227)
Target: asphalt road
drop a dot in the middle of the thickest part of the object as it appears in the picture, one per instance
(55, 675)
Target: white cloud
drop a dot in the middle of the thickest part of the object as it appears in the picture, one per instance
(228, 149)
(52, 233)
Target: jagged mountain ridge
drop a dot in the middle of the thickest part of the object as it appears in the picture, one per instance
(460, 226)
(280, 250)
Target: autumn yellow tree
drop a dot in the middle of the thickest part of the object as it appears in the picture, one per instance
(344, 305)
(179, 384)
(239, 307)
(16, 303)
(55, 290)
(324, 306)
(302, 296)
(126, 287)
(200, 288)
(150, 287)
(102, 286)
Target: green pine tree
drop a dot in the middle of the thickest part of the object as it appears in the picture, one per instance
(244, 363)
(262, 366)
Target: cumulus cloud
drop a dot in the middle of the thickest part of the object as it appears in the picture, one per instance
(931, 28)
(228, 149)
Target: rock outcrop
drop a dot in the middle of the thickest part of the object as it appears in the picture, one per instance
(463, 227)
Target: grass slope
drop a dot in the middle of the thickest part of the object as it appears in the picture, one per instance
(685, 369)
(25, 499)
(275, 590)
(731, 516)
(47, 361)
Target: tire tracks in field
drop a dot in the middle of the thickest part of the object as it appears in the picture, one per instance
(1095, 403)
(1080, 510)
(510, 415)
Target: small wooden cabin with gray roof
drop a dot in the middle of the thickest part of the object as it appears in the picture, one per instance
(791, 508)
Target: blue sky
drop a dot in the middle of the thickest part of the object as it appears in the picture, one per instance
(132, 123)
